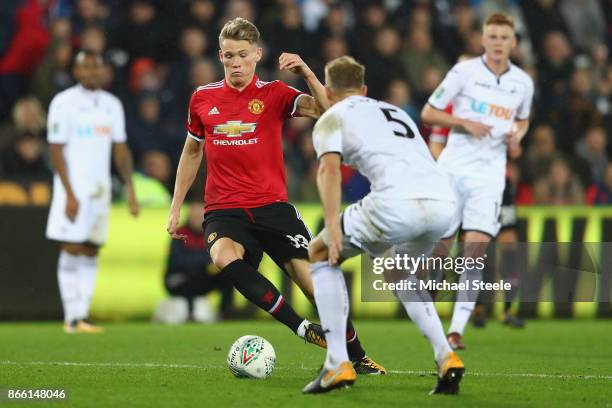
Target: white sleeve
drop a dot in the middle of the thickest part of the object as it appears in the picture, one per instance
(525, 108)
(119, 135)
(58, 122)
(449, 88)
(327, 135)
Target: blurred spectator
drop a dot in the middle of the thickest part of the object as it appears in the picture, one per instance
(28, 118)
(93, 38)
(540, 154)
(25, 161)
(24, 52)
(592, 149)
(432, 77)
(585, 21)
(53, 74)
(372, 19)
(156, 164)
(456, 37)
(560, 187)
(600, 193)
(554, 69)
(287, 35)
(144, 76)
(144, 129)
(383, 62)
(578, 113)
(419, 54)
(202, 14)
(335, 24)
(87, 13)
(143, 33)
(236, 8)
(542, 17)
(398, 94)
(190, 273)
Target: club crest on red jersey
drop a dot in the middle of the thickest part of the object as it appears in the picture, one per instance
(256, 106)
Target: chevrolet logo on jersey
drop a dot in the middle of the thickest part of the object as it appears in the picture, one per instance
(234, 128)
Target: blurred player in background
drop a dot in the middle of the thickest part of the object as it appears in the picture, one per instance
(238, 122)
(85, 125)
(509, 267)
(384, 144)
(191, 274)
(491, 101)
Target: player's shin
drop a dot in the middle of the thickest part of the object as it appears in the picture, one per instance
(88, 266)
(331, 297)
(465, 302)
(68, 281)
(259, 290)
(421, 310)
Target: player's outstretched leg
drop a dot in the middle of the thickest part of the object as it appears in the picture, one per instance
(259, 290)
(422, 312)
(299, 271)
(332, 302)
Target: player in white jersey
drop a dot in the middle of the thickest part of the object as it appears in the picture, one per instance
(85, 124)
(491, 101)
(410, 203)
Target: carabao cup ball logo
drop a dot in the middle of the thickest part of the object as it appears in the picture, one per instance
(256, 106)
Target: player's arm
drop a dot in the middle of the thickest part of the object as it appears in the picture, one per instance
(188, 166)
(125, 166)
(58, 162)
(310, 106)
(434, 116)
(329, 181)
(434, 113)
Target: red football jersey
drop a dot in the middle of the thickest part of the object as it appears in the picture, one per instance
(242, 140)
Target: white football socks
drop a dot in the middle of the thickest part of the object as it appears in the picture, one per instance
(68, 278)
(301, 330)
(422, 312)
(88, 267)
(76, 276)
(331, 298)
(465, 302)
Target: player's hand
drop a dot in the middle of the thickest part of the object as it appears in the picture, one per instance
(294, 63)
(72, 207)
(132, 202)
(334, 244)
(476, 129)
(173, 222)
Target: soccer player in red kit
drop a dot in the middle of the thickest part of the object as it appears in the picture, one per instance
(238, 123)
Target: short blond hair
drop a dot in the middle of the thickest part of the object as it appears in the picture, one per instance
(499, 19)
(344, 73)
(239, 29)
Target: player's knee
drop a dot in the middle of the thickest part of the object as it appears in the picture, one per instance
(225, 251)
(317, 251)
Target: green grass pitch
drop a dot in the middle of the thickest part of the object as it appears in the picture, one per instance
(549, 364)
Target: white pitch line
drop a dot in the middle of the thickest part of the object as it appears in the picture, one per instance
(400, 372)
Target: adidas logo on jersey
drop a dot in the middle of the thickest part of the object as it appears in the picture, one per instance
(213, 111)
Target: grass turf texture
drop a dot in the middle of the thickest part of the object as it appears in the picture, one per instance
(550, 363)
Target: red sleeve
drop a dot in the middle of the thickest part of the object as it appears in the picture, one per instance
(195, 127)
(287, 97)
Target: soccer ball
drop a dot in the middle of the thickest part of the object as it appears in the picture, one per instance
(252, 357)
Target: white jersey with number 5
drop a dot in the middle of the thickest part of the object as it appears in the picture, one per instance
(477, 94)
(385, 145)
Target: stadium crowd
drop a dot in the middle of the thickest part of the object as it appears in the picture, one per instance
(157, 51)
